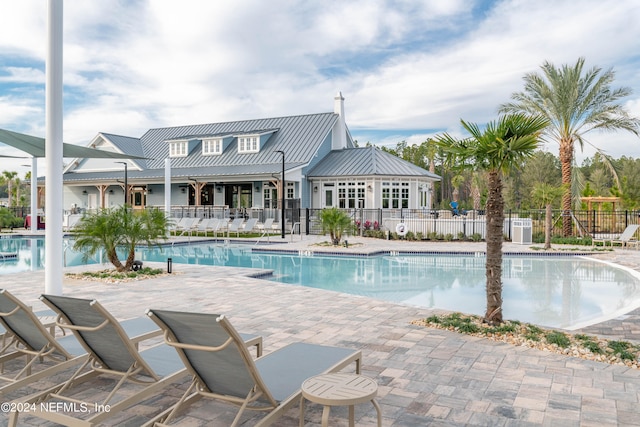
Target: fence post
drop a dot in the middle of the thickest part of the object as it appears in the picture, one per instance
(307, 221)
(626, 218)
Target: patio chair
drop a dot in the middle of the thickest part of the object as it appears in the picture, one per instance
(235, 226)
(265, 227)
(221, 225)
(205, 225)
(248, 226)
(189, 226)
(110, 352)
(174, 226)
(222, 368)
(27, 336)
(625, 239)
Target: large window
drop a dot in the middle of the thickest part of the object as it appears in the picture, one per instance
(178, 149)
(395, 195)
(351, 195)
(211, 146)
(248, 144)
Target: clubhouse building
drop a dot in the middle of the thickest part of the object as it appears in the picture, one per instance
(239, 165)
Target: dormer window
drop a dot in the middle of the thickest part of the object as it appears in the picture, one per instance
(211, 146)
(178, 148)
(248, 144)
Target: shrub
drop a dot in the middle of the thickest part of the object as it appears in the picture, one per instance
(476, 237)
(558, 338)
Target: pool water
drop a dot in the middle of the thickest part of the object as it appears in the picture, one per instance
(566, 292)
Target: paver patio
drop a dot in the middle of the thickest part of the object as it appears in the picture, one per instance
(425, 376)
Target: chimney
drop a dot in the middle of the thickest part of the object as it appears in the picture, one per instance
(339, 134)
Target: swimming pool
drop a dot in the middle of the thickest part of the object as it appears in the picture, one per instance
(566, 292)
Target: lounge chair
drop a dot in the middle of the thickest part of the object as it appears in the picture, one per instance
(625, 239)
(189, 226)
(27, 336)
(265, 227)
(222, 368)
(249, 226)
(235, 226)
(205, 225)
(174, 225)
(110, 351)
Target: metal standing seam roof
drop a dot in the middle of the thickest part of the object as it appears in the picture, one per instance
(298, 136)
(366, 161)
(127, 144)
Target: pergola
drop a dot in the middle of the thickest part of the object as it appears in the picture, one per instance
(600, 200)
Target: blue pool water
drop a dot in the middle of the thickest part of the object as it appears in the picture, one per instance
(565, 292)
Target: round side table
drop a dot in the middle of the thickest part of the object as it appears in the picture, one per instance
(339, 390)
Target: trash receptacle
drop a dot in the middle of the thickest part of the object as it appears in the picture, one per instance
(522, 231)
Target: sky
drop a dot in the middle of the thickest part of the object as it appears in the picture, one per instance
(407, 69)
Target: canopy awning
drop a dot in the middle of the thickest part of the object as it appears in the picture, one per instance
(35, 147)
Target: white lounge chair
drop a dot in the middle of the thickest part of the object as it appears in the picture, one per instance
(265, 227)
(235, 226)
(626, 239)
(248, 226)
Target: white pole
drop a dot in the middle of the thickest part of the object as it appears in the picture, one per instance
(167, 187)
(53, 150)
(34, 194)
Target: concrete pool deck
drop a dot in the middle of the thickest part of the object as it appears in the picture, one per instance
(425, 376)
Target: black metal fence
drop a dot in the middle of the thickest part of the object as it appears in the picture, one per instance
(428, 223)
(472, 224)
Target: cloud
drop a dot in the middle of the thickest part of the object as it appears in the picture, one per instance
(407, 69)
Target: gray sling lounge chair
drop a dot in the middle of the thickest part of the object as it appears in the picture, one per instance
(222, 368)
(110, 351)
(27, 336)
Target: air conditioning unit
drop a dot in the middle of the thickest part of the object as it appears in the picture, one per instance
(522, 233)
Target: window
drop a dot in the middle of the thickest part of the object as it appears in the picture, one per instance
(248, 144)
(395, 195)
(211, 146)
(290, 190)
(351, 195)
(178, 149)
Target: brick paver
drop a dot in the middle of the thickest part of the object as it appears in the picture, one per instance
(425, 376)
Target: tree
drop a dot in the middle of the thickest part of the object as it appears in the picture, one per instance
(574, 103)
(335, 222)
(546, 195)
(503, 144)
(110, 229)
(9, 177)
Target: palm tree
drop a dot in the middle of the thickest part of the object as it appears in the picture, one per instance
(9, 177)
(335, 222)
(575, 103)
(501, 146)
(121, 227)
(546, 195)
